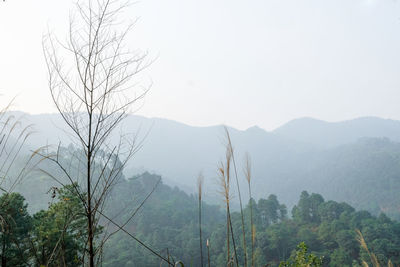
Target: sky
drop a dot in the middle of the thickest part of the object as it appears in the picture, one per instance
(240, 63)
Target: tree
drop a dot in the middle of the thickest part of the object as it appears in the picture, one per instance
(302, 259)
(270, 210)
(14, 232)
(340, 257)
(307, 209)
(90, 80)
(59, 234)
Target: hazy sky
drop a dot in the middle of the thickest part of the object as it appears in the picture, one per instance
(242, 63)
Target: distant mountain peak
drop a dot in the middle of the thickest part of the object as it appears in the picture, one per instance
(366, 119)
(328, 134)
(255, 128)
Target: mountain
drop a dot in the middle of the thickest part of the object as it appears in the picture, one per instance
(330, 134)
(365, 174)
(355, 161)
(175, 150)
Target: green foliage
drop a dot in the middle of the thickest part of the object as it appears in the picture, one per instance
(270, 211)
(14, 230)
(168, 223)
(306, 211)
(302, 259)
(59, 233)
(168, 220)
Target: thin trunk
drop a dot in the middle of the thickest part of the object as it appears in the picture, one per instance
(89, 216)
(89, 195)
(44, 261)
(63, 254)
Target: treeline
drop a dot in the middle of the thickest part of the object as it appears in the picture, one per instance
(168, 222)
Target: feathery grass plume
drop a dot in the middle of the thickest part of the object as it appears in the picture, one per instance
(225, 180)
(224, 183)
(247, 173)
(230, 148)
(361, 240)
(13, 137)
(200, 181)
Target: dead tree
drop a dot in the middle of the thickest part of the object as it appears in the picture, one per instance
(92, 86)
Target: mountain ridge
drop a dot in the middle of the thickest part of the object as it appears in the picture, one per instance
(284, 162)
(319, 132)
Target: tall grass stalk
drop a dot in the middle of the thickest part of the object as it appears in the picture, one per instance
(225, 192)
(230, 148)
(233, 239)
(372, 256)
(247, 172)
(225, 179)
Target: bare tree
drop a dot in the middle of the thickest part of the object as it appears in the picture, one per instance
(90, 80)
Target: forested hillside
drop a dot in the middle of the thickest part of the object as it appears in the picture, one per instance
(362, 177)
(168, 223)
(358, 164)
(363, 174)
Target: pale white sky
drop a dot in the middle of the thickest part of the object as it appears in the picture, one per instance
(242, 63)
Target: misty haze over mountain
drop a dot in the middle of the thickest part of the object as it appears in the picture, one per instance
(344, 161)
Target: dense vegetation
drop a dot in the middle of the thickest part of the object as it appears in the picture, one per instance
(50, 237)
(167, 221)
